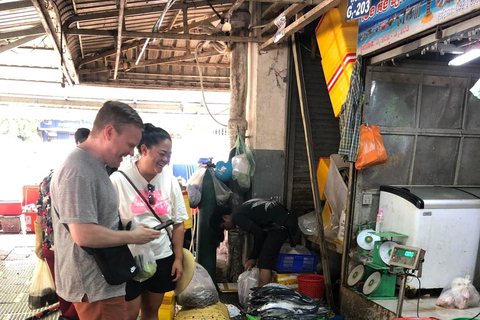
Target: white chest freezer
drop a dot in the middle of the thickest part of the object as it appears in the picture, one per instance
(444, 221)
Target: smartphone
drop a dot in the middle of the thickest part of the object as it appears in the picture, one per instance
(163, 225)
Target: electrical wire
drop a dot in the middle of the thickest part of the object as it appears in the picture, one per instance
(221, 47)
(419, 288)
(222, 19)
(478, 314)
(159, 21)
(257, 27)
(156, 27)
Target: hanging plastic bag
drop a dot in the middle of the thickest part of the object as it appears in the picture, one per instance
(308, 223)
(145, 260)
(246, 281)
(200, 292)
(42, 292)
(243, 164)
(371, 151)
(222, 192)
(240, 164)
(194, 186)
(460, 294)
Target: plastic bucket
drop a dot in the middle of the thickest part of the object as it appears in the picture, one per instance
(312, 285)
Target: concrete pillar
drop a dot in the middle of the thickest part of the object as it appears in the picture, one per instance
(258, 109)
(237, 123)
(238, 74)
(266, 113)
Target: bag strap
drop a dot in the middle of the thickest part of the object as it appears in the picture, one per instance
(141, 195)
(144, 200)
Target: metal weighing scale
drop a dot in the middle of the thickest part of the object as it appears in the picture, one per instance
(365, 239)
(379, 284)
(408, 258)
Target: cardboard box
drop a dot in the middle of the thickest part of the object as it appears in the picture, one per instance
(11, 224)
(228, 287)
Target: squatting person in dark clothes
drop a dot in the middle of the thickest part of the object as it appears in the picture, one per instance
(270, 223)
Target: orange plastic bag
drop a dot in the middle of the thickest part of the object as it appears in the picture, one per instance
(371, 151)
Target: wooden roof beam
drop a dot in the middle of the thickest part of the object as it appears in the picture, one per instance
(174, 19)
(304, 20)
(289, 13)
(18, 43)
(129, 46)
(139, 10)
(36, 30)
(272, 10)
(121, 16)
(186, 29)
(170, 75)
(232, 9)
(15, 5)
(164, 84)
(175, 59)
(196, 23)
(203, 65)
(51, 21)
(146, 63)
(171, 36)
(108, 53)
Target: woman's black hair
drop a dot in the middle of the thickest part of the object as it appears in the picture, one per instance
(151, 136)
(215, 221)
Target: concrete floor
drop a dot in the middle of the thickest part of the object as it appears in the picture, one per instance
(17, 263)
(427, 308)
(18, 260)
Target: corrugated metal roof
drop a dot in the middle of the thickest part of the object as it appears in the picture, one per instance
(18, 19)
(169, 75)
(91, 58)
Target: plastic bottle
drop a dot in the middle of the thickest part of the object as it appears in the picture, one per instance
(379, 224)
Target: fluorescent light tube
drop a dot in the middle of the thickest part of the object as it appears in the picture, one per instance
(464, 58)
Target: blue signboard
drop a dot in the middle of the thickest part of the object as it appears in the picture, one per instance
(357, 9)
(389, 21)
(61, 129)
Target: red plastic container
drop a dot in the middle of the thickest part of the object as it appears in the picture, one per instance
(30, 194)
(30, 218)
(10, 208)
(312, 285)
